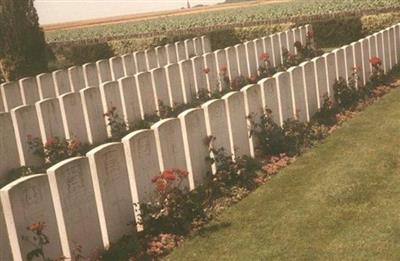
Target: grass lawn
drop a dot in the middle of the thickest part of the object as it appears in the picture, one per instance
(339, 201)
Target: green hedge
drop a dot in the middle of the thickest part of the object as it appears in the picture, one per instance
(328, 34)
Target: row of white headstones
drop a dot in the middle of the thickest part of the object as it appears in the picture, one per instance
(79, 114)
(89, 200)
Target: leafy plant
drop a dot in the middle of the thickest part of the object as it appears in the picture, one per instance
(346, 96)
(117, 125)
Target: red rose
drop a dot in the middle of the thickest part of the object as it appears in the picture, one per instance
(375, 61)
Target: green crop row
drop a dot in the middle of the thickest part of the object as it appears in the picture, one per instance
(228, 16)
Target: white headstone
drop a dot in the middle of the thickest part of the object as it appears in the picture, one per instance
(160, 87)
(303, 34)
(299, 93)
(142, 163)
(162, 58)
(381, 49)
(128, 60)
(311, 87)
(111, 99)
(330, 65)
(321, 79)
(349, 58)
(187, 79)
(290, 41)
(285, 96)
(112, 189)
(205, 40)
(28, 201)
(270, 98)
(196, 150)
(358, 61)
(283, 42)
(212, 74)
(259, 49)
(237, 123)
(254, 108)
(241, 60)
(372, 46)
(50, 120)
(140, 61)
(397, 40)
(277, 49)
(29, 90)
(104, 70)
(170, 149)
(90, 74)
(340, 63)
(217, 123)
(151, 59)
(75, 206)
(386, 48)
(269, 50)
(297, 36)
(26, 125)
(46, 85)
(73, 117)
(130, 100)
(366, 66)
(61, 82)
(180, 51)
(199, 72)
(251, 58)
(8, 146)
(222, 68)
(117, 68)
(76, 78)
(11, 94)
(175, 84)
(233, 68)
(171, 53)
(393, 47)
(198, 46)
(94, 115)
(147, 100)
(189, 47)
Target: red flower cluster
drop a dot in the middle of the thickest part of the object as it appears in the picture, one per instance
(164, 180)
(36, 227)
(206, 70)
(310, 34)
(264, 57)
(223, 70)
(375, 61)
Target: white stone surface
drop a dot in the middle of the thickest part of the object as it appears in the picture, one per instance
(311, 87)
(285, 96)
(112, 189)
(198, 46)
(340, 63)
(151, 59)
(171, 54)
(299, 92)
(270, 98)
(381, 50)
(349, 60)
(254, 108)
(111, 98)
(366, 66)
(233, 67)
(251, 58)
(222, 65)
(140, 61)
(61, 82)
(205, 41)
(393, 48)
(75, 206)
(277, 49)
(46, 85)
(90, 75)
(283, 42)
(290, 40)
(241, 60)
(189, 47)
(128, 61)
(11, 95)
(26, 124)
(117, 67)
(146, 94)
(162, 58)
(170, 148)
(358, 62)
(28, 201)
(29, 90)
(142, 163)
(237, 123)
(187, 79)
(130, 100)
(196, 150)
(8, 146)
(200, 76)
(50, 120)
(259, 49)
(212, 75)
(386, 48)
(180, 51)
(160, 87)
(5, 248)
(321, 79)
(73, 117)
(330, 65)
(104, 71)
(76, 78)
(274, 56)
(175, 84)
(94, 115)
